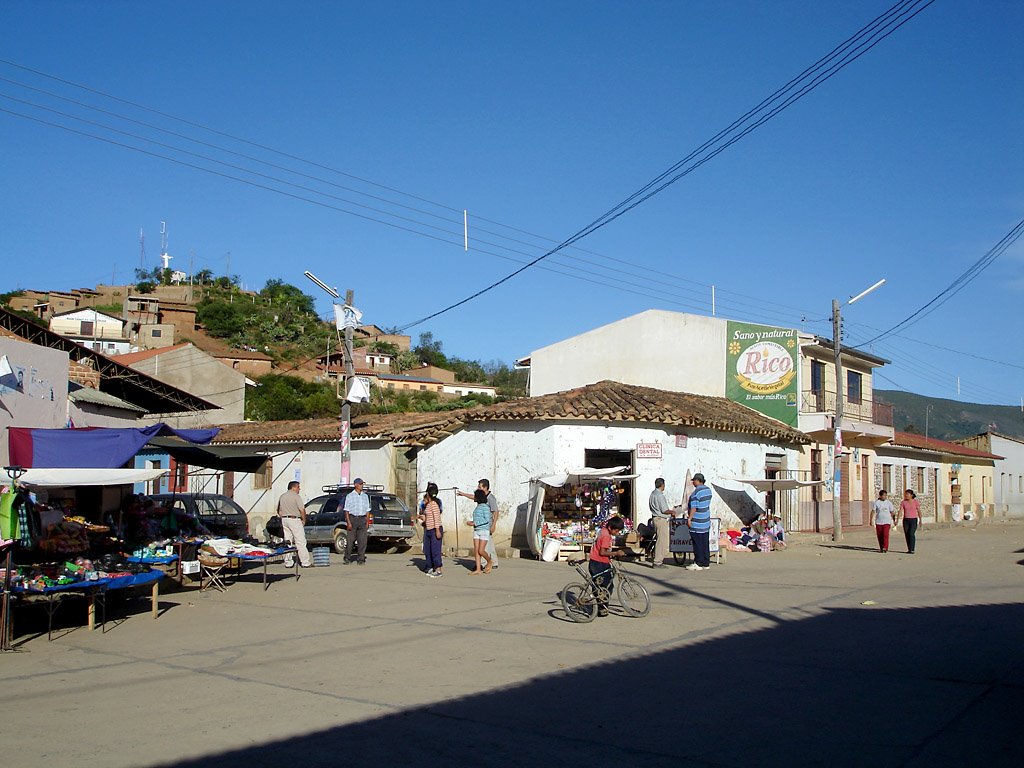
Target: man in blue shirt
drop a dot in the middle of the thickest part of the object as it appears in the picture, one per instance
(699, 522)
(357, 507)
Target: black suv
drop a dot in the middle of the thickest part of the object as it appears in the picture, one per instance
(218, 513)
(389, 522)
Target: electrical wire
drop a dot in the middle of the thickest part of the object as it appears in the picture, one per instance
(961, 282)
(852, 49)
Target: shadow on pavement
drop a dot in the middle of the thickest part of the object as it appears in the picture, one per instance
(847, 687)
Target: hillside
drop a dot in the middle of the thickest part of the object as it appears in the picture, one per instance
(951, 419)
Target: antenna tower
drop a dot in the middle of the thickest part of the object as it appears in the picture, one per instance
(142, 248)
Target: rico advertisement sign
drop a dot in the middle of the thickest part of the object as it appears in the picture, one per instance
(761, 369)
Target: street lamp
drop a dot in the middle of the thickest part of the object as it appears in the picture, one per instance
(350, 372)
(837, 474)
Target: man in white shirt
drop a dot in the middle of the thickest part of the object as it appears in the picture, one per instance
(357, 507)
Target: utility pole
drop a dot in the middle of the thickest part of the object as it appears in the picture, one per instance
(837, 471)
(346, 408)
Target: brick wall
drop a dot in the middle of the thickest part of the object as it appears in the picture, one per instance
(84, 375)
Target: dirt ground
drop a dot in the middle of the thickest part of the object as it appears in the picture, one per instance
(822, 654)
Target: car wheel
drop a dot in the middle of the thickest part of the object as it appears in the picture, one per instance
(340, 541)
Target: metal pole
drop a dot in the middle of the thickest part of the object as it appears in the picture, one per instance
(346, 408)
(837, 473)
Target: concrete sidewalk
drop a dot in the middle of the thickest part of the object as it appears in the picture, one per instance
(767, 659)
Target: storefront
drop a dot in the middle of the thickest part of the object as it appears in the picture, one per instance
(568, 509)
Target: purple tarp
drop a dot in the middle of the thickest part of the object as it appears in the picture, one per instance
(91, 447)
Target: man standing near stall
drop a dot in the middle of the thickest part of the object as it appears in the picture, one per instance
(661, 513)
(292, 512)
(357, 507)
(699, 522)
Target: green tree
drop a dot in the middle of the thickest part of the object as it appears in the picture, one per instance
(220, 318)
(281, 397)
(203, 276)
(429, 351)
(281, 292)
(405, 361)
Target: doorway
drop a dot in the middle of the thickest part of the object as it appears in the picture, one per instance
(603, 458)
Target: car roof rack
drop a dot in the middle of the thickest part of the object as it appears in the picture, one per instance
(348, 487)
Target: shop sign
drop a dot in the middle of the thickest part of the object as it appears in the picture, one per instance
(648, 450)
(680, 440)
(761, 369)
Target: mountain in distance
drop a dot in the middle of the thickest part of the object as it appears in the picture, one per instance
(950, 419)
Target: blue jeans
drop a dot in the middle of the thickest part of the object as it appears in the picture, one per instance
(701, 548)
(601, 573)
(432, 548)
(910, 533)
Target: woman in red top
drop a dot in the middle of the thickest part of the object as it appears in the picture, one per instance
(910, 509)
(600, 560)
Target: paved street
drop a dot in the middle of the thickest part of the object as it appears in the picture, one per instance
(764, 660)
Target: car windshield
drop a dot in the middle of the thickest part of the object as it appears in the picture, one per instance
(218, 506)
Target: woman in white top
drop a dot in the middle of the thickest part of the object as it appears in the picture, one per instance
(881, 515)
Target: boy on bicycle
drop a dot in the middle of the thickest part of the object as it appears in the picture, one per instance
(600, 561)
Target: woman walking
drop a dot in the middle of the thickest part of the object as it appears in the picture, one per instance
(910, 508)
(481, 523)
(433, 532)
(881, 513)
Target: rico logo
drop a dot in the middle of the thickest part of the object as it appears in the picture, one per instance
(764, 368)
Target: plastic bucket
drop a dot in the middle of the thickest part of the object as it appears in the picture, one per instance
(551, 548)
(321, 557)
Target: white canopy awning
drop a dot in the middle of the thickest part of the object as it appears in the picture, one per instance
(766, 485)
(584, 474)
(65, 478)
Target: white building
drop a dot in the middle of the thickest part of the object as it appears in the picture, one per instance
(90, 328)
(780, 372)
(1008, 479)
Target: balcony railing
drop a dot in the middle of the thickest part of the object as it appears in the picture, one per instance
(823, 401)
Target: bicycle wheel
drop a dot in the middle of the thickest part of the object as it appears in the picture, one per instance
(633, 597)
(579, 603)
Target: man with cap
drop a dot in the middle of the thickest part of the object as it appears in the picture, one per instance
(699, 508)
(357, 507)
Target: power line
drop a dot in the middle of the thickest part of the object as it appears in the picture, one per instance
(852, 49)
(958, 284)
(668, 278)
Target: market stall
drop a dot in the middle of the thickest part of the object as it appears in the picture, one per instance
(58, 548)
(567, 509)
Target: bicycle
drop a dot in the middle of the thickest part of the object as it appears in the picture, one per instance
(581, 600)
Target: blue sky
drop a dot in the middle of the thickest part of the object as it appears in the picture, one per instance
(908, 164)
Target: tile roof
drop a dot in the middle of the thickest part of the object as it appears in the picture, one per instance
(133, 357)
(911, 440)
(371, 426)
(606, 401)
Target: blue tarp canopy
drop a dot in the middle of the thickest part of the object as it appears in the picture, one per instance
(93, 447)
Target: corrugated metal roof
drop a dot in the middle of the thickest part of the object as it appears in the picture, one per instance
(94, 396)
